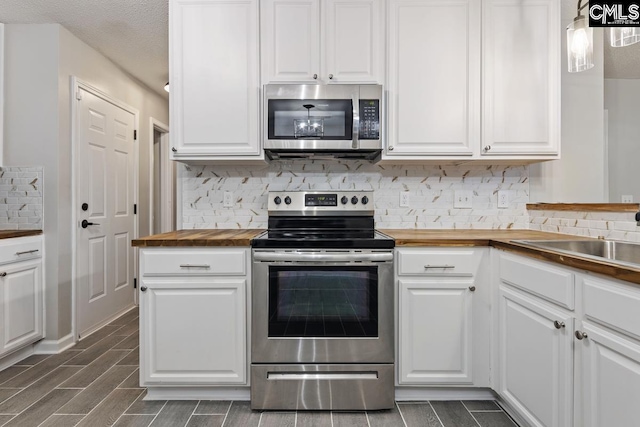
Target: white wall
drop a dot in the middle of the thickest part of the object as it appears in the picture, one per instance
(579, 175)
(39, 61)
(1, 88)
(622, 99)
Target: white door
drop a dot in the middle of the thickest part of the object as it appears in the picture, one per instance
(105, 198)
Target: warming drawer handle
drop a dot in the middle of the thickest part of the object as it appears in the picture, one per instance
(322, 376)
(439, 266)
(206, 266)
(27, 252)
(306, 256)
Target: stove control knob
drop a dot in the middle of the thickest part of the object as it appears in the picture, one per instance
(344, 200)
(277, 200)
(354, 200)
(365, 200)
(287, 200)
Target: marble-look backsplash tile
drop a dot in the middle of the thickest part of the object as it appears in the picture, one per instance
(610, 225)
(431, 192)
(21, 198)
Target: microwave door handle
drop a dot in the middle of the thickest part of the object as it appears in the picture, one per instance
(356, 122)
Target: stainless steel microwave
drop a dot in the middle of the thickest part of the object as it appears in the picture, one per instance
(323, 121)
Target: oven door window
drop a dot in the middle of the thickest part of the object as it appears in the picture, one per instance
(323, 301)
(310, 119)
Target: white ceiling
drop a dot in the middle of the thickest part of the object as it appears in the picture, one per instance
(132, 33)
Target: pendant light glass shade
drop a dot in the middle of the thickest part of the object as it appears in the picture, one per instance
(579, 45)
(624, 36)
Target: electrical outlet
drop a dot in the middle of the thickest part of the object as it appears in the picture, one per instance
(627, 198)
(463, 199)
(503, 199)
(228, 199)
(404, 199)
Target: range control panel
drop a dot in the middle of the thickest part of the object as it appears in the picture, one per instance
(331, 202)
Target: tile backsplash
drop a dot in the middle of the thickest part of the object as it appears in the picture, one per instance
(610, 225)
(431, 192)
(21, 198)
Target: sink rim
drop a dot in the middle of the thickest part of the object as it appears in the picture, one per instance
(540, 244)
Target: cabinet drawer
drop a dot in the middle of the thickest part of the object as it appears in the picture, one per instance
(438, 261)
(539, 278)
(201, 262)
(20, 249)
(613, 304)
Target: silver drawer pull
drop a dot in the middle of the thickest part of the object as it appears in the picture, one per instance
(439, 266)
(27, 252)
(207, 266)
(326, 376)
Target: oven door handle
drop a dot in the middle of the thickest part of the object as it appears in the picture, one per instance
(321, 256)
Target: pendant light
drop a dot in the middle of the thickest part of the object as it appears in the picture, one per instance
(580, 42)
(624, 36)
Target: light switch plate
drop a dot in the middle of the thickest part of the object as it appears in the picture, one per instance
(463, 199)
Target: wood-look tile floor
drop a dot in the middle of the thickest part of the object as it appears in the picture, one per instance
(95, 384)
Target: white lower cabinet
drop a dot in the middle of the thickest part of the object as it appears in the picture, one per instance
(536, 359)
(194, 323)
(21, 293)
(560, 367)
(443, 317)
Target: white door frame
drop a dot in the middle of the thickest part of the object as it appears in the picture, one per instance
(76, 85)
(166, 176)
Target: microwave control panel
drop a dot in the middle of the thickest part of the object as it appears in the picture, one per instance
(369, 119)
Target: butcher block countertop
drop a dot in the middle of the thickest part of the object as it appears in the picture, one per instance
(208, 237)
(10, 234)
(504, 239)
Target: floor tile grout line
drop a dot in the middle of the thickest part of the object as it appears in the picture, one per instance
(156, 415)
(86, 366)
(192, 412)
(434, 411)
(487, 410)
(400, 412)
(260, 419)
(474, 418)
(132, 403)
(96, 379)
(227, 414)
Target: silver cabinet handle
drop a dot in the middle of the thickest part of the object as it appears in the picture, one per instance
(558, 325)
(439, 266)
(27, 252)
(4, 273)
(391, 148)
(315, 257)
(174, 149)
(207, 266)
(472, 288)
(487, 147)
(580, 335)
(330, 76)
(315, 77)
(143, 288)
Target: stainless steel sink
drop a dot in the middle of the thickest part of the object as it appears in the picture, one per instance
(610, 250)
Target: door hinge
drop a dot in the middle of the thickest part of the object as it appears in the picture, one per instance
(79, 95)
(135, 135)
(135, 283)
(135, 209)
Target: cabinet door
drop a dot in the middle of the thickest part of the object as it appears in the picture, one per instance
(434, 77)
(536, 359)
(290, 40)
(352, 39)
(435, 339)
(214, 75)
(21, 304)
(611, 378)
(521, 77)
(193, 331)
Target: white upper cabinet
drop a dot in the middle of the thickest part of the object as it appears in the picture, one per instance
(334, 41)
(214, 76)
(521, 77)
(434, 78)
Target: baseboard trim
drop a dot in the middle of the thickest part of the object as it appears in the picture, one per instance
(198, 393)
(55, 346)
(18, 355)
(444, 393)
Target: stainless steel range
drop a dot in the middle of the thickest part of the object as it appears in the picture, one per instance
(322, 315)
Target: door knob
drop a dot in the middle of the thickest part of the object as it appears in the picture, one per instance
(330, 76)
(487, 147)
(86, 223)
(315, 77)
(143, 288)
(558, 324)
(472, 288)
(580, 335)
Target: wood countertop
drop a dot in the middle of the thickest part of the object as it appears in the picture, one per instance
(504, 239)
(10, 234)
(208, 237)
